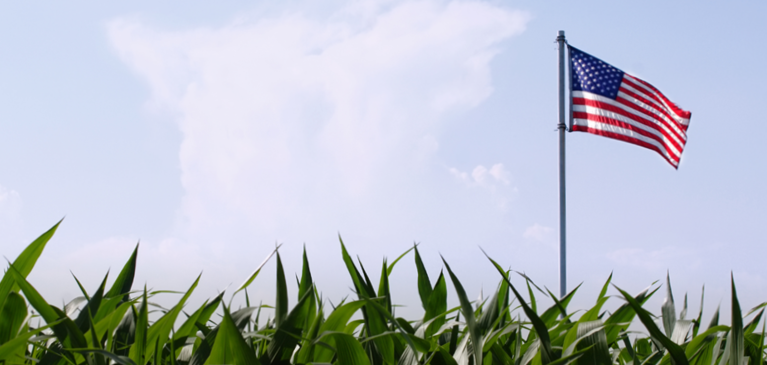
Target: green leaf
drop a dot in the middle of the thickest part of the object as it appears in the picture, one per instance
(682, 329)
(359, 282)
(25, 262)
(436, 306)
(676, 352)
(415, 342)
(533, 303)
(549, 317)
(694, 345)
(540, 327)
(13, 350)
(83, 320)
(349, 350)
(159, 332)
(230, 347)
(189, 327)
(424, 284)
(288, 332)
(48, 312)
(620, 319)
(13, 316)
(668, 311)
(281, 302)
(306, 282)
(306, 352)
(696, 327)
(107, 325)
(736, 333)
(124, 280)
(210, 309)
(487, 319)
(630, 350)
(255, 273)
(593, 337)
(122, 360)
(593, 313)
(336, 322)
(138, 351)
(715, 318)
(569, 358)
(375, 323)
(383, 287)
(125, 329)
(468, 313)
(391, 266)
(204, 347)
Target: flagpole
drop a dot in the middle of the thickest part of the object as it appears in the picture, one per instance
(562, 211)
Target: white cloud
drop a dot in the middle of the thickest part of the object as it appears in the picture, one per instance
(495, 180)
(479, 174)
(285, 116)
(460, 175)
(483, 177)
(500, 174)
(298, 126)
(539, 233)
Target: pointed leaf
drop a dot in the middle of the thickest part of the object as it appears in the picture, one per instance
(540, 327)
(349, 350)
(668, 310)
(468, 313)
(230, 347)
(736, 333)
(288, 332)
(676, 352)
(25, 262)
(124, 280)
(138, 351)
(424, 284)
(281, 302)
(14, 313)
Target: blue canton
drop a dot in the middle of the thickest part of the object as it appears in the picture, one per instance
(594, 75)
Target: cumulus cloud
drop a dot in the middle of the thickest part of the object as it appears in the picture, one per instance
(495, 180)
(483, 177)
(287, 117)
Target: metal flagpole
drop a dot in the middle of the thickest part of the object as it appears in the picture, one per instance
(561, 126)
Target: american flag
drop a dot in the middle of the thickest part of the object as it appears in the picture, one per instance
(609, 102)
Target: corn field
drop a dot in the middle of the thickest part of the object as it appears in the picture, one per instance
(112, 325)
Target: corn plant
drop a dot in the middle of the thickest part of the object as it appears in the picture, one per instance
(120, 324)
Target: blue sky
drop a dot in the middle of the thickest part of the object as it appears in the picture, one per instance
(212, 132)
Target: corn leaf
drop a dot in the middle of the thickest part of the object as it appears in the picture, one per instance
(736, 333)
(468, 313)
(25, 262)
(230, 347)
(124, 281)
(540, 327)
(349, 350)
(13, 315)
(676, 352)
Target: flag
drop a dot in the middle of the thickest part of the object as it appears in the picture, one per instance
(609, 102)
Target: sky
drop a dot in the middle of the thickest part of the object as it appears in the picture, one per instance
(210, 133)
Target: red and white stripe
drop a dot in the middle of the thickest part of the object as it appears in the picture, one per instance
(640, 114)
